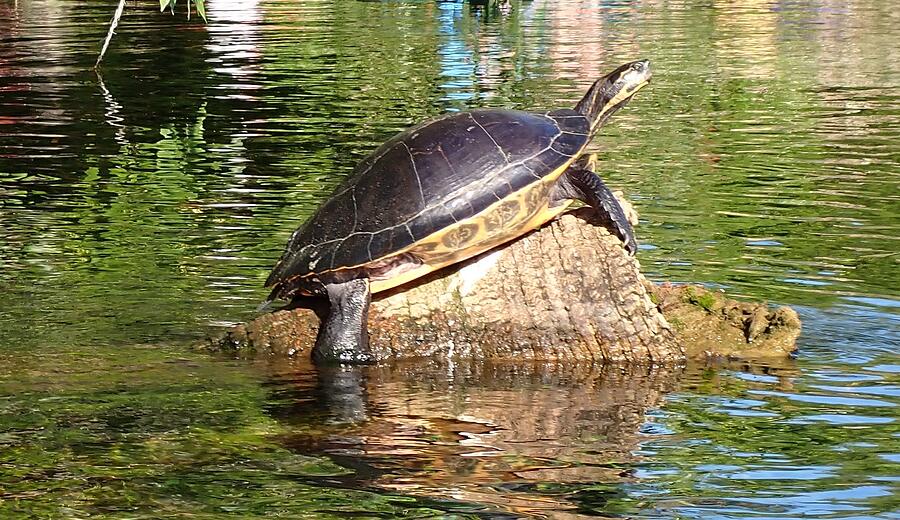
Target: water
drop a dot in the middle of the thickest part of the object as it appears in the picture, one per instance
(139, 209)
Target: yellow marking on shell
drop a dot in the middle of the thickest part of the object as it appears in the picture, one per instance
(498, 223)
(544, 215)
(503, 213)
(461, 235)
(520, 212)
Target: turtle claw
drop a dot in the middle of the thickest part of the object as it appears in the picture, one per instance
(586, 186)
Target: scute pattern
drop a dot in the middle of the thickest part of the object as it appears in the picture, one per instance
(428, 178)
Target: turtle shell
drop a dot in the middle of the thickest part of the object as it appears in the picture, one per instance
(425, 179)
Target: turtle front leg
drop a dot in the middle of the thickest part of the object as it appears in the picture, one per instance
(584, 185)
(344, 336)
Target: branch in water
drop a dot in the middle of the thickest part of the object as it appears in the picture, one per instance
(199, 5)
(112, 29)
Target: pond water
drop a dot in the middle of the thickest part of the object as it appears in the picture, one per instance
(144, 207)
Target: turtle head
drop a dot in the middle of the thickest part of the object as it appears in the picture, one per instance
(613, 91)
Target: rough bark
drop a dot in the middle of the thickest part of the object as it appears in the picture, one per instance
(565, 292)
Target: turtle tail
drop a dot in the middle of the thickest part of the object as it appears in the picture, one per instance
(264, 306)
(274, 295)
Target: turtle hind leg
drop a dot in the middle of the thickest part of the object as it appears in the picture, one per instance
(343, 336)
(582, 184)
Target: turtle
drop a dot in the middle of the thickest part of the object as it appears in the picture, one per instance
(443, 191)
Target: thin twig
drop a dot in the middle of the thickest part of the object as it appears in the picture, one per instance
(112, 30)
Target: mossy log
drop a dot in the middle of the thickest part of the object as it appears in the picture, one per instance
(567, 291)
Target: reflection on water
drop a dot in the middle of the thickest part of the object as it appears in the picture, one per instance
(168, 432)
(139, 210)
(573, 441)
(521, 438)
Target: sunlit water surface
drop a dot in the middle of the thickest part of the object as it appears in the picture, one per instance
(141, 208)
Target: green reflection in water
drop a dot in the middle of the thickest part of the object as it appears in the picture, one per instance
(155, 432)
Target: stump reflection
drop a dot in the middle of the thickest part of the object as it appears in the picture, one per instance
(527, 439)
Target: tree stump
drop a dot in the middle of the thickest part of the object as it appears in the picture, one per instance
(565, 292)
